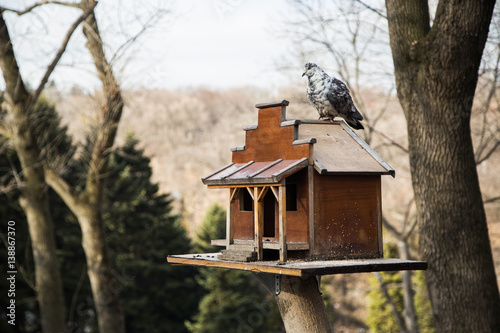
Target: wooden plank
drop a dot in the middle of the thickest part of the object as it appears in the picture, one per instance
(240, 185)
(250, 128)
(258, 222)
(282, 221)
(272, 104)
(369, 149)
(237, 170)
(262, 193)
(301, 268)
(304, 141)
(265, 168)
(271, 245)
(238, 148)
(270, 140)
(233, 192)
(312, 208)
(217, 171)
(275, 190)
(339, 151)
(346, 215)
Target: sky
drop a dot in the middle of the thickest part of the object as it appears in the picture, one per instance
(210, 43)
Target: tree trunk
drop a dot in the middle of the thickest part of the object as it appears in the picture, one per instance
(301, 305)
(34, 199)
(104, 285)
(436, 74)
(87, 206)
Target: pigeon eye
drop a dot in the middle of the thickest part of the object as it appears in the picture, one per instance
(308, 68)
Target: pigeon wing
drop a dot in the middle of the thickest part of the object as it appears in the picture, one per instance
(339, 97)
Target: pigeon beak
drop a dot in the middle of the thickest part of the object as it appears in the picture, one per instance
(304, 74)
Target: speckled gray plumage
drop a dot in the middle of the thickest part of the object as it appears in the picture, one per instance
(330, 96)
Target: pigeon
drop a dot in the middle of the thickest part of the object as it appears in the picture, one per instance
(330, 97)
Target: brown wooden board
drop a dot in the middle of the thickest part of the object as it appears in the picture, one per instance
(301, 268)
(337, 151)
(271, 141)
(347, 216)
(297, 223)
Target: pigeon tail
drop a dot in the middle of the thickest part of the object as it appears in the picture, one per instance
(354, 123)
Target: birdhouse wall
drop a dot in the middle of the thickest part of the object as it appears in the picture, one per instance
(296, 215)
(297, 220)
(243, 219)
(270, 141)
(347, 216)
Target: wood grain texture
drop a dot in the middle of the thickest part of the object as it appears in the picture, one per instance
(347, 216)
(270, 141)
(300, 267)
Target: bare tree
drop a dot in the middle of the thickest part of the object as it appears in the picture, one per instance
(86, 204)
(34, 200)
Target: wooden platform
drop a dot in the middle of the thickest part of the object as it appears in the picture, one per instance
(301, 268)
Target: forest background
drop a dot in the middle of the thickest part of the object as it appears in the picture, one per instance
(172, 134)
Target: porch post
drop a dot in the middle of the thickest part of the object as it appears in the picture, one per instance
(258, 221)
(282, 221)
(229, 218)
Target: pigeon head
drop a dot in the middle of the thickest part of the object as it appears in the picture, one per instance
(310, 68)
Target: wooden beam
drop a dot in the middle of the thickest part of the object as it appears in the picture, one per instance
(302, 268)
(262, 193)
(258, 222)
(229, 218)
(282, 221)
(312, 208)
(251, 191)
(241, 185)
(275, 192)
(233, 192)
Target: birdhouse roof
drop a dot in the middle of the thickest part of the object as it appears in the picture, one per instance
(278, 147)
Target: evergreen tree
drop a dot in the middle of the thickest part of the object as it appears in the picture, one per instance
(235, 300)
(380, 317)
(142, 232)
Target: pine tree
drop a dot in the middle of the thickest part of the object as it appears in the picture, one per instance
(235, 300)
(142, 232)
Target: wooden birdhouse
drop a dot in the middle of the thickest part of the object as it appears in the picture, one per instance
(301, 189)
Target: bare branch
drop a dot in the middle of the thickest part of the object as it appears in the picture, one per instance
(149, 23)
(62, 188)
(52, 66)
(392, 142)
(395, 313)
(376, 11)
(38, 4)
(391, 228)
(489, 153)
(490, 200)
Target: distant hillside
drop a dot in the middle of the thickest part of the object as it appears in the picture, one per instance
(188, 133)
